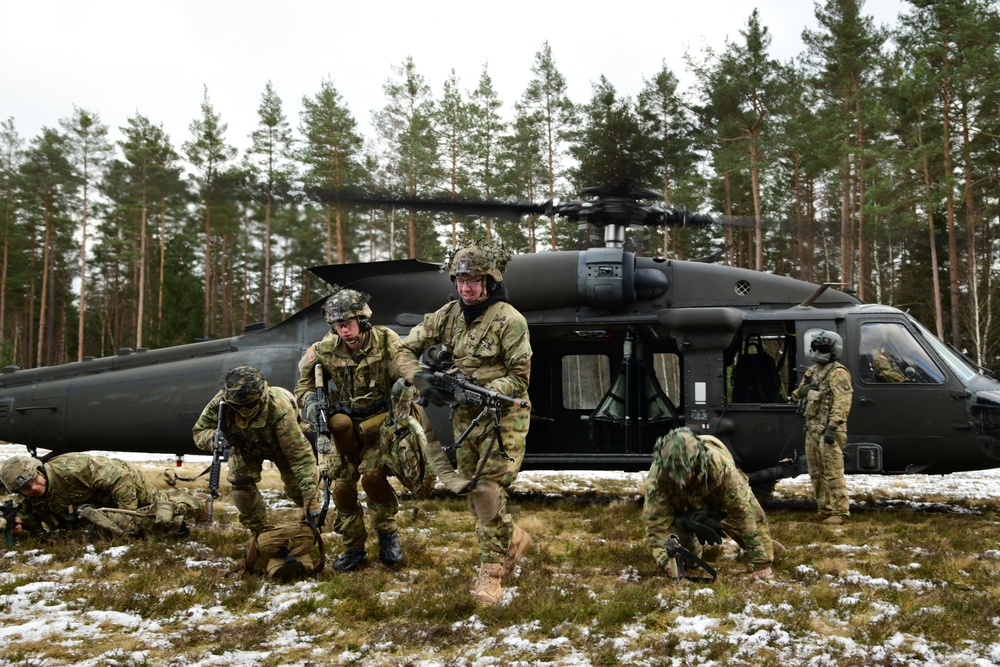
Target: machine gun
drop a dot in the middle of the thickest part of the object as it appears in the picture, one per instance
(324, 447)
(447, 381)
(220, 454)
(8, 514)
(683, 559)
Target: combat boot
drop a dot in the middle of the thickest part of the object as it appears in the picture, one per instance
(352, 559)
(488, 584)
(519, 543)
(389, 550)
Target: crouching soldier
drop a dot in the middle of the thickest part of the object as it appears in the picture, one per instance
(77, 490)
(260, 422)
(695, 490)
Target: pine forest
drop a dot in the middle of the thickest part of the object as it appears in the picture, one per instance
(872, 159)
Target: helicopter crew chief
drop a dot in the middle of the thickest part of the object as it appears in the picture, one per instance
(695, 490)
(76, 489)
(260, 422)
(488, 340)
(356, 356)
(826, 393)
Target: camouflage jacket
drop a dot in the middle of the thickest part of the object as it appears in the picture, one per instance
(494, 351)
(78, 479)
(719, 486)
(362, 377)
(275, 428)
(831, 402)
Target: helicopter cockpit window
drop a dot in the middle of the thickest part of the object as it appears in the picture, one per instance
(889, 354)
(585, 378)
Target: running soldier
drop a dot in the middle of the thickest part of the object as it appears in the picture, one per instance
(826, 392)
(488, 341)
(695, 490)
(75, 490)
(260, 422)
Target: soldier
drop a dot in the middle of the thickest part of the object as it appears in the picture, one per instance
(886, 369)
(112, 495)
(695, 490)
(355, 356)
(260, 422)
(488, 339)
(826, 392)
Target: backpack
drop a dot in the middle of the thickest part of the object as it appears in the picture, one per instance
(284, 552)
(402, 451)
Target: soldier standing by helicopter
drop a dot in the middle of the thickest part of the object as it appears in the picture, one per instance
(826, 392)
(355, 356)
(260, 422)
(488, 340)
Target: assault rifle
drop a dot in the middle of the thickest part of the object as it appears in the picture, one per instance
(324, 447)
(683, 559)
(220, 454)
(8, 512)
(448, 381)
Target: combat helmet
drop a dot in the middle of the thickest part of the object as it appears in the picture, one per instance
(346, 303)
(680, 452)
(479, 258)
(245, 385)
(18, 471)
(826, 346)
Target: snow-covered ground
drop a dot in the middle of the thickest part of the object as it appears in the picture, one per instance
(42, 615)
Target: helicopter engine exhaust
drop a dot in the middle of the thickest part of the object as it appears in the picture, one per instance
(597, 278)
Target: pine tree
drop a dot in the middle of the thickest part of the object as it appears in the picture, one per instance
(487, 128)
(454, 123)
(11, 155)
(209, 153)
(270, 176)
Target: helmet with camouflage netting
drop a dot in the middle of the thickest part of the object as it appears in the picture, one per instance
(680, 452)
(344, 304)
(244, 386)
(18, 471)
(478, 258)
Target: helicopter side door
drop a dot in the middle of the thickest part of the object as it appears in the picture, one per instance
(905, 399)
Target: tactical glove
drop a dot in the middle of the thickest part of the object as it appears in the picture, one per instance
(806, 388)
(705, 528)
(308, 412)
(830, 435)
(424, 382)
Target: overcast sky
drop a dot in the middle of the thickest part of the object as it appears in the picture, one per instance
(120, 57)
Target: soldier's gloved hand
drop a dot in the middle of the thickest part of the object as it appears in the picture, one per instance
(702, 526)
(830, 435)
(309, 407)
(312, 506)
(323, 445)
(806, 388)
(424, 382)
(464, 398)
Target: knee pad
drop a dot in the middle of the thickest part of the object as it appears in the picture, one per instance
(485, 500)
(243, 498)
(342, 431)
(377, 487)
(345, 496)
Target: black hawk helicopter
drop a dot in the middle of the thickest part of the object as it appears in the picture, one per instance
(625, 348)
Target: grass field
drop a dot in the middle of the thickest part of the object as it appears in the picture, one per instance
(912, 579)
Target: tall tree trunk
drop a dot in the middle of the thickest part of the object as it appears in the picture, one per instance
(42, 302)
(163, 257)
(141, 283)
(83, 268)
(950, 205)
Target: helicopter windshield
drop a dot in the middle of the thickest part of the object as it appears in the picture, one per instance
(957, 364)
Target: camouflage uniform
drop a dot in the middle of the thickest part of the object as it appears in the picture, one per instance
(827, 406)
(272, 433)
(363, 384)
(886, 369)
(79, 486)
(716, 485)
(495, 353)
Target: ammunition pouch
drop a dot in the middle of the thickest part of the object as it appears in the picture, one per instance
(368, 429)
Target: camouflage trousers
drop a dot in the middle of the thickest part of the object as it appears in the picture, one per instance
(382, 502)
(488, 502)
(112, 522)
(826, 470)
(244, 476)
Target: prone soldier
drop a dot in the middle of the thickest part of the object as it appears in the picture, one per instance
(112, 495)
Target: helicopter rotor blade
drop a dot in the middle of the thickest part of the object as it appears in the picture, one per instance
(493, 209)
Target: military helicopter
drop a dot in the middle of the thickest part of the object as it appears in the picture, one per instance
(625, 348)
